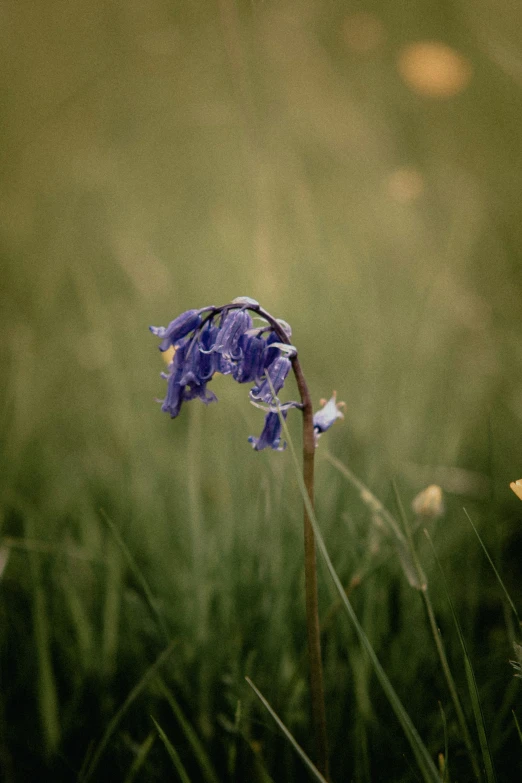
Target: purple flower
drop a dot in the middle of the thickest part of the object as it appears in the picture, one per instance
(199, 390)
(177, 329)
(234, 325)
(271, 434)
(174, 398)
(200, 361)
(277, 373)
(252, 364)
(224, 340)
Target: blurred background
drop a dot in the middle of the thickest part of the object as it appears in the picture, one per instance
(355, 167)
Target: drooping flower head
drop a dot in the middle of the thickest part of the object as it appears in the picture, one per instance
(225, 340)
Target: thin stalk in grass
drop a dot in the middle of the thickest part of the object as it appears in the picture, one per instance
(47, 690)
(173, 753)
(492, 564)
(138, 573)
(426, 766)
(450, 682)
(443, 759)
(414, 573)
(519, 731)
(141, 757)
(91, 766)
(208, 774)
(313, 769)
(470, 677)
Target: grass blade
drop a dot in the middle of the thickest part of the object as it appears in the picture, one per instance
(47, 693)
(471, 681)
(376, 507)
(309, 763)
(438, 638)
(141, 757)
(444, 765)
(173, 753)
(492, 564)
(136, 570)
(424, 760)
(111, 609)
(207, 770)
(133, 695)
(518, 726)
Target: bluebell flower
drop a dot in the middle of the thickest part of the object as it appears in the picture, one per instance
(271, 434)
(253, 353)
(177, 329)
(225, 341)
(207, 358)
(235, 324)
(200, 361)
(174, 398)
(327, 415)
(200, 390)
(277, 372)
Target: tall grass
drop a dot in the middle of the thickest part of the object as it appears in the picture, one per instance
(163, 157)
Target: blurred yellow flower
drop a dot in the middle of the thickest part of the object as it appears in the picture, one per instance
(516, 486)
(429, 503)
(433, 69)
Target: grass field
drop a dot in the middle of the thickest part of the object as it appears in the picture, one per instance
(355, 167)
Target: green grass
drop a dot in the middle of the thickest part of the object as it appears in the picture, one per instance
(167, 157)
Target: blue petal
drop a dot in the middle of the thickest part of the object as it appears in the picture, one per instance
(277, 373)
(271, 434)
(251, 364)
(199, 390)
(174, 397)
(234, 325)
(178, 328)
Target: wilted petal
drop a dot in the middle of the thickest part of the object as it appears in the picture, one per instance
(271, 434)
(327, 415)
(287, 329)
(246, 301)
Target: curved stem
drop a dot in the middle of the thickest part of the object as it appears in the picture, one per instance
(311, 594)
